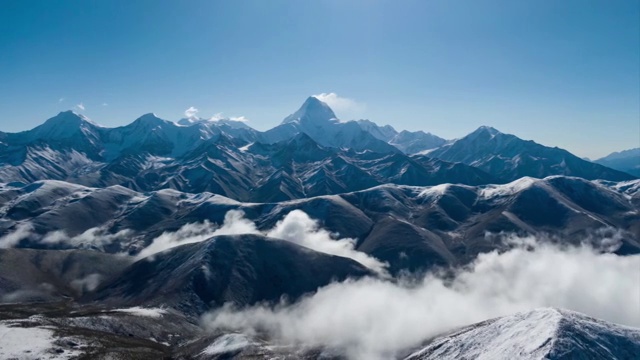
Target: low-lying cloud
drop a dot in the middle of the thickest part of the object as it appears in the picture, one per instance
(296, 227)
(234, 224)
(94, 238)
(12, 239)
(378, 319)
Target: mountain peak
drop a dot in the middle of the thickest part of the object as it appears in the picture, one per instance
(69, 117)
(63, 125)
(487, 129)
(312, 110)
(149, 119)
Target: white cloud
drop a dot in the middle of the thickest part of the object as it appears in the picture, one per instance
(239, 118)
(94, 238)
(12, 239)
(80, 106)
(296, 227)
(105, 104)
(219, 116)
(87, 283)
(60, 100)
(190, 112)
(377, 319)
(345, 108)
(234, 223)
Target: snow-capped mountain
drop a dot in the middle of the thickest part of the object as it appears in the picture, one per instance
(152, 154)
(627, 161)
(311, 153)
(316, 119)
(508, 157)
(545, 333)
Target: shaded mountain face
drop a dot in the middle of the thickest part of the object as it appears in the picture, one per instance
(241, 269)
(411, 228)
(627, 161)
(545, 333)
(28, 275)
(509, 158)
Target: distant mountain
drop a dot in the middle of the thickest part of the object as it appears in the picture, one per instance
(545, 333)
(411, 228)
(311, 153)
(407, 141)
(627, 161)
(509, 157)
(152, 154)
(415, 142)
(384, 133)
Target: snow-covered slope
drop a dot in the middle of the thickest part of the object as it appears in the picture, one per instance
(539, 334)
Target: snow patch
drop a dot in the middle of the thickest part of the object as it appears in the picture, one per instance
(30, 343)
(491, 191)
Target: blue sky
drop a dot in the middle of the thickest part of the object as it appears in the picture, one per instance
(564, 73)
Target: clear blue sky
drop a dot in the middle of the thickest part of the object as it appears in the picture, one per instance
(564, 73)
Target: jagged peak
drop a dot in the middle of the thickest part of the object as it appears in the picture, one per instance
(63, 125)
(69, 117)
(150, 119)
(487, 129)
(312, 110)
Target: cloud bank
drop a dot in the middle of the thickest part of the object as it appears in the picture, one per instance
(377, 319)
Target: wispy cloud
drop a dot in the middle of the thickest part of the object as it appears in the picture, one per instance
(12, 239)
(190, 112)
(296, 227)
(239, 118)
(105, 104)
(219, 116)
(60, 100)
(80, 106)
(345, 108)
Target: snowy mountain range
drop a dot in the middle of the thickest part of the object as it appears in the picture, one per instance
(129, 239)
(311, 153)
